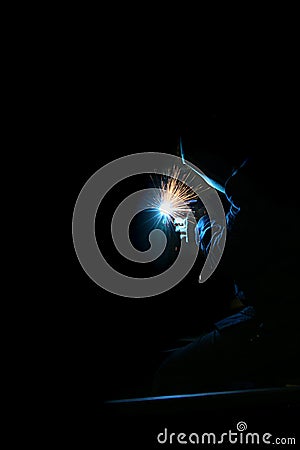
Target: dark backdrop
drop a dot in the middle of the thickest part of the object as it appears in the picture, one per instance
(120, 341)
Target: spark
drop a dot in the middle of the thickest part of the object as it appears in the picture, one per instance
(173, 197)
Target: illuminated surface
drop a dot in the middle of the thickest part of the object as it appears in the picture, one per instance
(235, 393)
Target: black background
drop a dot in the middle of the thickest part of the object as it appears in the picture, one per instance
(116, 342)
